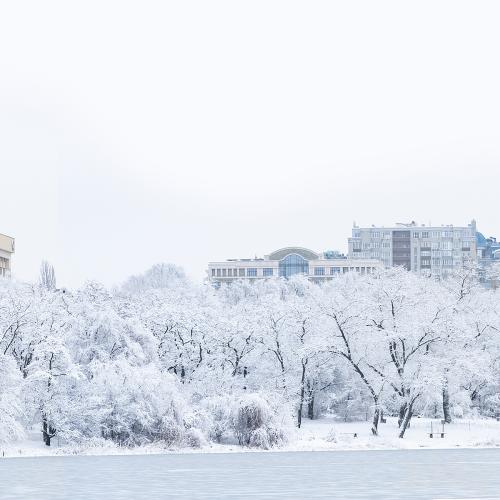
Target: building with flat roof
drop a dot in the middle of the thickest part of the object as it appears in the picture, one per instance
(429, 250)
(7, 248)
(488, 254)
(288, 262)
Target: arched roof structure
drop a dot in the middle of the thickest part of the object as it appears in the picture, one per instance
(303, 252)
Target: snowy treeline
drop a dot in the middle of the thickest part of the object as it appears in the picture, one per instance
(164, 360)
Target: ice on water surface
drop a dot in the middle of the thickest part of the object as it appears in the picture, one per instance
(416, 474)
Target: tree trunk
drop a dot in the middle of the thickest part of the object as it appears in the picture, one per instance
(406, 419)
(376, 418)
(310, 406)
(48, 432)
(402, 413)
(302, 395)
(446, 404)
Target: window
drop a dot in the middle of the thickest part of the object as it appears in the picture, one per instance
(213, 272)
(218, 272)
(376, 234)
(268, 271)
(230, 273)
(334, 270)
(425, 234)
(345, 269)
(242, 272)
(293, 264)
(416, 234)
(319, 271)
(252, 272)
(223, 273)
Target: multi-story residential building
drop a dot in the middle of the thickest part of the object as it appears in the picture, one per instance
(488, 254)
(488, 250)
(287, 262)
(6, 251)
(430, 250)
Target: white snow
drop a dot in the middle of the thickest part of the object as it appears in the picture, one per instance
(315, 435)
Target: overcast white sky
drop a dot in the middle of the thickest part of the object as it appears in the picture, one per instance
(138, 132)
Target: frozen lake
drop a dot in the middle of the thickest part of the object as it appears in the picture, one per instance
(415, 474)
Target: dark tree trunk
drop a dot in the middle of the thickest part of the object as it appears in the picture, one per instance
(310, 407)
(48, 432)
(406, 419)
(376, 418)
(446, 405)
(402, 413)
(302, 394)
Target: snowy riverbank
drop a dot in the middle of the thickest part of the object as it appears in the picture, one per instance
(324, 434)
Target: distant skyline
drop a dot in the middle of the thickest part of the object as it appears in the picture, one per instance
(189, 132)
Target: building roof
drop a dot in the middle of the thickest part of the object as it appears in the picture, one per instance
(303, 252)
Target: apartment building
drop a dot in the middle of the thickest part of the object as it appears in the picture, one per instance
(430, 250)
(6, 251)
(287, 262)
(488, 254)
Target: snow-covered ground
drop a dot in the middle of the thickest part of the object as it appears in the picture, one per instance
(325, 434)
(461, 433)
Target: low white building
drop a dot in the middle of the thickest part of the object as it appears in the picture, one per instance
(6, 250)
(287, 262)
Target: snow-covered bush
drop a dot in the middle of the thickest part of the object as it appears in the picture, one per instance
(218, 411)
(143, 405)
(194, 438)
(255, 423)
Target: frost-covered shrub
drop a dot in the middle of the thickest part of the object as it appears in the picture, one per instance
(255, 423)
(194, 438)
(259, 438)
(218, 411)
(144, 405)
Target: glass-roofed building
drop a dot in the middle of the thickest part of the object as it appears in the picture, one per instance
(288, 262)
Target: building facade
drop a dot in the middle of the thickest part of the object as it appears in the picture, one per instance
(429, 250)
(288, 262)
(488, 254)
(6, 250)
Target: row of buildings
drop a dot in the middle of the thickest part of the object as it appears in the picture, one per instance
(7, 247)
(430, 250)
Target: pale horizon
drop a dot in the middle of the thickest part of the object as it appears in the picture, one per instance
(185, 135)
